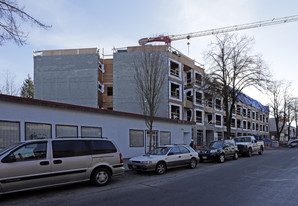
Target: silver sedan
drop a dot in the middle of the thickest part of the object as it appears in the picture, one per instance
(162, 158)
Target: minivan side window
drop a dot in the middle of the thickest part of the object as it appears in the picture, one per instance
(70, 148)
(102, 147)
(32, 151)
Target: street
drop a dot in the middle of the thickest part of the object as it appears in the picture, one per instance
(268, 179)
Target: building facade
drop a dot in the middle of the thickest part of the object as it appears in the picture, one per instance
(74, 76)
(183, 97)
(113, 87)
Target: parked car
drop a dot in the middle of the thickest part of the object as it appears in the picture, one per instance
(165, 157)
(51, 162)
(293, 142)
(248, 145)
(219, 151)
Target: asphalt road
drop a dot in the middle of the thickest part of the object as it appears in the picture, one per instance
(270, 179)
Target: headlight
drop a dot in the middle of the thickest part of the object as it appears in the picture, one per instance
(213, 150)
(146, 162)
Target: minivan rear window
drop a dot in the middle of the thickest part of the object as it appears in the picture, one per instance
(70, 148)
(102, 147)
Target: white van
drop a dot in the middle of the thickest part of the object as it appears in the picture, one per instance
(51, 162)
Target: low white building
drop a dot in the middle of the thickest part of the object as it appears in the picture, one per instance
(23, 119)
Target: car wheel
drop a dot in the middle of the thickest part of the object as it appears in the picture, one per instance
(261, 151)
(160, 168)
(100, 177)
(221, 158)
(249, 152)
(236, 156)
(193, 163)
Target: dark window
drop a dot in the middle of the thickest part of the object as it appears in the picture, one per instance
(175, 150)
(110, 91)
(70, 148)
(183, 150)
(102, 147)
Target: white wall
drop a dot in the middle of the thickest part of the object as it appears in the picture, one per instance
(114, 126)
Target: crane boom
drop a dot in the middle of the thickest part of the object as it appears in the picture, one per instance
(169, 38)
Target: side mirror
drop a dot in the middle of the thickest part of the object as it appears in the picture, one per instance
(8, 159)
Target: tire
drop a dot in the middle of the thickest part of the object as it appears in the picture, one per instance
(160, 168)
(236, 156)
(261, 151)
(193, 163)
(100, 176)
(249, 152)
(221, 158)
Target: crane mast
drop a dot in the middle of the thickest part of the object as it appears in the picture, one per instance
(169, 38)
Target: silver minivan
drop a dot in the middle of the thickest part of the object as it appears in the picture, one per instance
(51, 162)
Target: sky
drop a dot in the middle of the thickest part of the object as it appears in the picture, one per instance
(116, 23)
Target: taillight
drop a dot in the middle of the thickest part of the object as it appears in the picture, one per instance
(121, 160)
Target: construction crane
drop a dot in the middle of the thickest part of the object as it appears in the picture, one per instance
(169, 38)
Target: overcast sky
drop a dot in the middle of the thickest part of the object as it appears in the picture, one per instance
(118, 23)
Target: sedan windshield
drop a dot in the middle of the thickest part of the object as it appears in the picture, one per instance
(242, 139)
(215, 145)
(159, 151)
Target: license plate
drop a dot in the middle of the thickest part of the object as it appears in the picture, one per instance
(204, 157)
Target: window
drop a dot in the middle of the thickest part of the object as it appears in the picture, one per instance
(218, 104)
(31, 151)
(70, 148)
(189, 114)
(239, 123)
(188, 77)
(66, 131)
(91, 131)
(210, 119)
(136, 138)
(248, 125)
(198, 79)
(218, 120)
(248, 113)
(175, 90)
(183, 150)
(174, 150)
(175, 69)
(110, 91)
(233, 123)
(9, 133)
(199, 98)
(253, 126)
(238, 110)
(199, 116)
(165, 138)
(257, 115)
(244, 124)
(244, 111)
(102, 147)
(175, 111)
(189, 96)
(38, 131)
(253, 115)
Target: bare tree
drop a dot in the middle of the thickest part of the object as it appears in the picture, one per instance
(150, 76)
(295, 107)
(279, 104)
(12, 16)
(231, 68)
(9, 86)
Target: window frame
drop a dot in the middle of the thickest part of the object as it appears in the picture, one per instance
(40, 123)
(64, 125)
(19, 128)
(92, 128)
(139, 130)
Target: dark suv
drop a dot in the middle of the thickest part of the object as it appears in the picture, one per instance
(219, 150)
